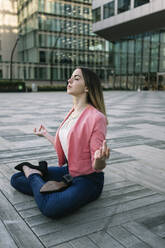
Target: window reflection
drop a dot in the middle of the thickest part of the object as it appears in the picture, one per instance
(140, 2)
(96, 13)
(108, 10)
(123, 5)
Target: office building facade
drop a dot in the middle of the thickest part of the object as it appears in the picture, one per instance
(56, 36)
(136, 30)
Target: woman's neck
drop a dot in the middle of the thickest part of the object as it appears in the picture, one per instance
(79, 104)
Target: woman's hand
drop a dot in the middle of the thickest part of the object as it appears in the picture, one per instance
(42, 132)
(101, 155)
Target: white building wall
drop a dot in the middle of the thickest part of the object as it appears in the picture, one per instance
(154, 7)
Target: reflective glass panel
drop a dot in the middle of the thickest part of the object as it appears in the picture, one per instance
(108, 10)
(123, 5)
(140, 2)
(96, 14)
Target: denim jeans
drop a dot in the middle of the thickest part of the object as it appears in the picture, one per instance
(84, 189)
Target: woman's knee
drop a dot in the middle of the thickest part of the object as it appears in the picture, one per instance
(54, 206)
(14, 179)
(20, 183)
(52, 213)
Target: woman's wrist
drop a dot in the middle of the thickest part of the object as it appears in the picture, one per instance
(49, 137)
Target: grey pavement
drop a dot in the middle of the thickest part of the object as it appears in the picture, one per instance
(131, 210)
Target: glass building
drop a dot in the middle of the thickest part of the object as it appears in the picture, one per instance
(56, 36)
(139, 59)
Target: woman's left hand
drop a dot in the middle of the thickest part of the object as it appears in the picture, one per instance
(101, 155)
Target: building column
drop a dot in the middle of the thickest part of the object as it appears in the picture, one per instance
(116, 5)
(132, 4)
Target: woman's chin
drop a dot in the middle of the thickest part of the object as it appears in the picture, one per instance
(69, 91)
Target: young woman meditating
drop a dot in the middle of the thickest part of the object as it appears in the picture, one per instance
(81, 149)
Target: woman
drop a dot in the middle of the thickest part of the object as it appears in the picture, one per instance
(81, 148)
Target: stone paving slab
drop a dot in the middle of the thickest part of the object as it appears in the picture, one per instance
(131, 210)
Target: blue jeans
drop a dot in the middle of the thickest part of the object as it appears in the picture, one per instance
(83, 190)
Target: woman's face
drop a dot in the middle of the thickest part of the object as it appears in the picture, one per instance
(76, 84)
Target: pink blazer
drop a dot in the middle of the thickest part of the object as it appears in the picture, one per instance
(84, 138)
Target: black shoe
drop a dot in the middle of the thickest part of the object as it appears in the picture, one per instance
(42, 167)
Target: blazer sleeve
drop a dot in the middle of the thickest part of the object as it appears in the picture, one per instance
(98, 136)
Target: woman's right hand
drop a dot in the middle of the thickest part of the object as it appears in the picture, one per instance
(42, 132)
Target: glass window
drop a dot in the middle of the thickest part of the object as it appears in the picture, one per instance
(131, 44)
(42, 57)
(67, 9)
(123, 5)
(41, 5)
(131, 57)
(162, 37)
(42, 74)
(123, 63)
(140, 2)
(50, 7)
(130, 63)
(162, 64)
(49, 40)
(153, 65)
(146, 54)
(86, 13)
(55, 74)
(1, 74)
(108, 10)
(96, 14)
(138, 55)
(42, 41)
(154, 52)
(162, 52)
(0, 58)
(57, 8)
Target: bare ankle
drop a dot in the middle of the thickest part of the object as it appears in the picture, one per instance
(28, 171)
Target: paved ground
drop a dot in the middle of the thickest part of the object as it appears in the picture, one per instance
(131, 211)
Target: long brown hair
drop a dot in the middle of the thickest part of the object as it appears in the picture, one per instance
(95, 93)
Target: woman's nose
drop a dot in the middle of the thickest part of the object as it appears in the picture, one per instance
(69, 80)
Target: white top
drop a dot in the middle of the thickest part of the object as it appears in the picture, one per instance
(64, 130)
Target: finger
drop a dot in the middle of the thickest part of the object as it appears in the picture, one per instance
(104, 145)
(104, 149)
(40, 128)
(34, 130)
(97, 154)
(107, 152)
(101, 152)
(43, 126)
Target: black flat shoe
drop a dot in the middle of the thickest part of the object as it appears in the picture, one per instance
(42, 167)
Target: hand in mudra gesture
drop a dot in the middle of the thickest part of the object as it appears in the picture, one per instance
(41, 131)
(101, 155)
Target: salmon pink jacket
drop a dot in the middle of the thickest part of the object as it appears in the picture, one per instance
(84, 138)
